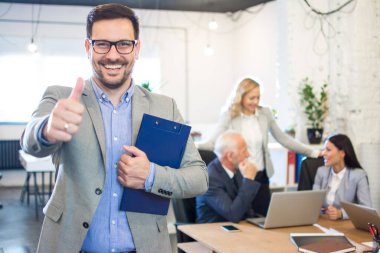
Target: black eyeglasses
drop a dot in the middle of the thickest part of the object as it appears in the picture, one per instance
(104, 46)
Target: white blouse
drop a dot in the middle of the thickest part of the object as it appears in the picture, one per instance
(251, 132)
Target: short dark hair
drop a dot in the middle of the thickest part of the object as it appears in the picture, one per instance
(342, 142)
(112, 11)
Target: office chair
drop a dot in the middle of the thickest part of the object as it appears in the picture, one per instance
(185, 209)
(309, 167)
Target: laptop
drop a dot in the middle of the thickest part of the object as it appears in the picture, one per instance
(287, 209)
(360, 215)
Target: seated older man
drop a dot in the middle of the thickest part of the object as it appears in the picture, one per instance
(232, 185)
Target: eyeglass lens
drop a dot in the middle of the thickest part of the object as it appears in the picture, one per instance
(122, 46)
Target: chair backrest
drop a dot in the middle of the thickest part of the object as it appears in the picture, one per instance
(309, 167)
(207, 155)
(184, 209)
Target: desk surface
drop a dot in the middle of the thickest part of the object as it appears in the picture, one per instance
(254, 239)
(35, 164)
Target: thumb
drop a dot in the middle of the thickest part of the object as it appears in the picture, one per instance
(77, 90)
(134, 151)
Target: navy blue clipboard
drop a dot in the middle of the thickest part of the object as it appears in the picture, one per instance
(164, 143)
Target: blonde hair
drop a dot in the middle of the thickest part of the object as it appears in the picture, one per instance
(234, 105)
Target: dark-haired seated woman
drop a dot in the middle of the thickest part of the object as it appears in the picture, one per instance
(342, 176)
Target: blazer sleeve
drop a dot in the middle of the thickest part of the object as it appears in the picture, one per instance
(231, 209)
(29, 141)
(285, 140)
(362, 192)
(190, 180)
(222, 126)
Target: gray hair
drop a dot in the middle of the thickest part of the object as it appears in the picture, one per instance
(226, 142)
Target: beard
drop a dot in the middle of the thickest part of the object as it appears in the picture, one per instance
(116, 83)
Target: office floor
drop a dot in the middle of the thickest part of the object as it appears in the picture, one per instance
(19, 227)
(18, 224)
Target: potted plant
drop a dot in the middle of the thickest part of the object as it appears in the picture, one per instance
(315, 108)
(146, 85)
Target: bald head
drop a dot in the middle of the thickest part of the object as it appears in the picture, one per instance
(231, 149)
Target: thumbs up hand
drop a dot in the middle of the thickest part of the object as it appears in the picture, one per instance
(65, 117)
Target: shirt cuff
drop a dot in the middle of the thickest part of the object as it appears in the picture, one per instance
(150, 179)
(40, 137)
(315, 153)
(344, 214)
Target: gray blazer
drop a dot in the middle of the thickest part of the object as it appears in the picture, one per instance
(82, 171)
(354, 186)
(267, 124)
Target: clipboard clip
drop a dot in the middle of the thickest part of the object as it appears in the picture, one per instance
(167, 126)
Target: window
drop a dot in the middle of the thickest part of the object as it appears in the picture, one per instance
(25, 76)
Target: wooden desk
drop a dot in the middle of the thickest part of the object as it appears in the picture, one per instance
(33, 166)
(254, 239)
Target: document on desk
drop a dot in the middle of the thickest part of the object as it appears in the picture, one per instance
(321, 243)
(164, 143)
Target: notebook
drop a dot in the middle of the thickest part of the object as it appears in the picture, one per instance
(360, 215)
(321, 243)
(287, 209)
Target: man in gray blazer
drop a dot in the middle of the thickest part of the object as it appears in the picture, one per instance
(90, 131)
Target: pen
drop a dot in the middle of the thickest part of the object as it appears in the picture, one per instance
(374, 231)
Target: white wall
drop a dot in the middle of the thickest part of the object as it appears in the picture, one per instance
(280, 42)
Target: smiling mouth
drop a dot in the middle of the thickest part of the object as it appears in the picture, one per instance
(108, 66)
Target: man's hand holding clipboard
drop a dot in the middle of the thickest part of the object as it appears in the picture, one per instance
(133, 170)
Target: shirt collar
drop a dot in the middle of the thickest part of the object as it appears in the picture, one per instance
(255, 115)
(103, 97)
(229, 173)
(340, 174)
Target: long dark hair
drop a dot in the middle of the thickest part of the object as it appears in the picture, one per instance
(342, 142)
(112, 11)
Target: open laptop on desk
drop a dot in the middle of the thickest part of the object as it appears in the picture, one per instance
(360, 215)
(287, 209)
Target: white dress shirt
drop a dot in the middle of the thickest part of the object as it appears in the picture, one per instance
(334, 183)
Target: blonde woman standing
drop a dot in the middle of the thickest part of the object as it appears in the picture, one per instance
(244, 114)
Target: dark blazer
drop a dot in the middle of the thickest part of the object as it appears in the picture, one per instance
(224, 201)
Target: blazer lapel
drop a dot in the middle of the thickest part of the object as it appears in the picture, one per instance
(140, 105)
(89, 99)
(263, 126)
(230, 186)
(343, 188)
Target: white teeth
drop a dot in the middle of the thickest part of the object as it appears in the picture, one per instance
(112, 66)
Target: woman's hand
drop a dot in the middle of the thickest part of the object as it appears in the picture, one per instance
(334, 213)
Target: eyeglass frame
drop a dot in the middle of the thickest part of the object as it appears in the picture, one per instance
(113, 43)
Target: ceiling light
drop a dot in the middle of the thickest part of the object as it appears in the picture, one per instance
(32, 47)
(212, 25)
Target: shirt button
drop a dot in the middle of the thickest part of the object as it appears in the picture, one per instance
(98, 191)
(85, 225)
(113, 250)
(115, 138)
(127, 100)
(114, 194)
(114, 111)
(113, 222)
(115, 165)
